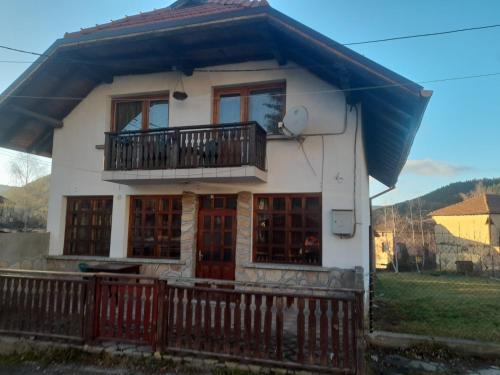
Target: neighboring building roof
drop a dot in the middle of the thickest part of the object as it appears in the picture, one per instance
(193, 34)
(480, 205)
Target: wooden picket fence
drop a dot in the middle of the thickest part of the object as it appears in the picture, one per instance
(316, 329)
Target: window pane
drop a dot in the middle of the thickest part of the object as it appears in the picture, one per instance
(230, 108)
(267, 108)
(158, 114)
(262, 203)
(279, 204)
(128, 116)
(312, 203)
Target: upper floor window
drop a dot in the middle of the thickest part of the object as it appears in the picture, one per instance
(136, 113)
(262, 103)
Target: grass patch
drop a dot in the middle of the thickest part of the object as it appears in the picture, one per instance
(438, 305)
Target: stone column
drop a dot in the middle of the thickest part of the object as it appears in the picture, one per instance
(189, 228)
(244, 232)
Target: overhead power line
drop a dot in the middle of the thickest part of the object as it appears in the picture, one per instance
(319, 92)
(390, 39)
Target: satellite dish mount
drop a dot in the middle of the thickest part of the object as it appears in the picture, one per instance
(295, 121)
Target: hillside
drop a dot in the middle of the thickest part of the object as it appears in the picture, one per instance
(4, 188)
(31, 202)
(444, 196)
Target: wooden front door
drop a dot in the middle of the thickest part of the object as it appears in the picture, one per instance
(216, 250)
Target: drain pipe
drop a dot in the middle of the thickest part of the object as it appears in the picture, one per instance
(371, 247)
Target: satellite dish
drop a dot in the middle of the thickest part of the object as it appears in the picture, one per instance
(296, 120)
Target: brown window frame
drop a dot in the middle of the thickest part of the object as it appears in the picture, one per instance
(244, 91)
(93, 227)
(158, 227)
(287, 227)
(146, 100)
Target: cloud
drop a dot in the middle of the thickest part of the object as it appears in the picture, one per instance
(429, 167)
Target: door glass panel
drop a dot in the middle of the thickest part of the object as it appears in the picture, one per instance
(206, 239)
(217, 222)
(216, 255)
(231, 203)
(228, 238)
(230, 108)
(228, 222)
(267, 108)
(228, 255)
(128, 116)
(219, 202)
(206, 222)
(158, 114)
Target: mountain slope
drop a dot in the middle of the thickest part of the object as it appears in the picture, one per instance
(443, 196)
(4, 188)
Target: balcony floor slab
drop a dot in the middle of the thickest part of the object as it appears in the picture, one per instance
(239, 174)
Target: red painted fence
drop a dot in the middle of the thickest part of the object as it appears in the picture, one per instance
(317, 329)
(127, 309)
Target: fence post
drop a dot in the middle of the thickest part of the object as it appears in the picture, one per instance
(159, 342)
(91, 310)
(360, 335)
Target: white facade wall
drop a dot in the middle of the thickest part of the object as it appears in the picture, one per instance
(77, 164)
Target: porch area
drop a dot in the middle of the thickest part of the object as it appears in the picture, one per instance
(316, 329)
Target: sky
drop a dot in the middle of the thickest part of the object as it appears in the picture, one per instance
(460, 132)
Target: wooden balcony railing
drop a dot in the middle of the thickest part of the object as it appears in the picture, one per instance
(208, 146)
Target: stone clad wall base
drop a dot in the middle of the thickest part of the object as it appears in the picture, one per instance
(323, 277)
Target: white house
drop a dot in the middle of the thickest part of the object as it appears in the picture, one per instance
(210, 185)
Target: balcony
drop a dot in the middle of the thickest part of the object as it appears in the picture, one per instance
(210, 152)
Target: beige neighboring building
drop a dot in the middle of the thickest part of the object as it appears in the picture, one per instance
(384, 248)
(469, 231)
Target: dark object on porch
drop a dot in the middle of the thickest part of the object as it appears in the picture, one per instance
(115, 268)
(83, 267)
(464, 267)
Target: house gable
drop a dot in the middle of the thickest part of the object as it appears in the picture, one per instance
(239, 31)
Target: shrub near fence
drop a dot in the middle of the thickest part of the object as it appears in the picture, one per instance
(310, 328)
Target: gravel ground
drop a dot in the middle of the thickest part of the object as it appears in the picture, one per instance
(35, 368)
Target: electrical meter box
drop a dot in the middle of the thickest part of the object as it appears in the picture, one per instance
(343, 222)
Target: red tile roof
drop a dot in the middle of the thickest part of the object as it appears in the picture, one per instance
(483, 204)
(187, 9)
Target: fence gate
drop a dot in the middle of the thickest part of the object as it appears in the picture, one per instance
(126, 309)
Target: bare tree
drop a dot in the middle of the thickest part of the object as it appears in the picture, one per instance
(23, 170)
(26, 169)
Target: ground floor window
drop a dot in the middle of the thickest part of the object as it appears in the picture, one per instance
(287, 228)
(88, 226)
(155, 227)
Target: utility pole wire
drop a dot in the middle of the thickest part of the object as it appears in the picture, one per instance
(383, 40)
(390, 39)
